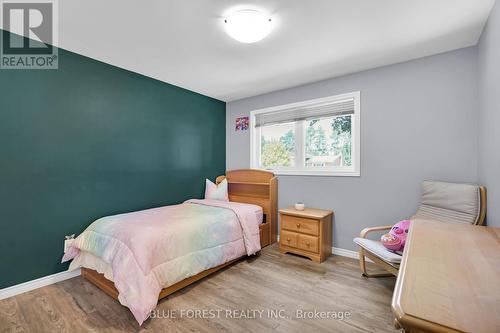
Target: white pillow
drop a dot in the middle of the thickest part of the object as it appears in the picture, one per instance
(215, 192)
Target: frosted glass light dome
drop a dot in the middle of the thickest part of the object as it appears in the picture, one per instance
(248, 25)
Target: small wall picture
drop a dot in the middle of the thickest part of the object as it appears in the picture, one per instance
(242, 124)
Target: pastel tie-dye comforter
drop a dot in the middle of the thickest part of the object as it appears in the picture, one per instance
(152, 249)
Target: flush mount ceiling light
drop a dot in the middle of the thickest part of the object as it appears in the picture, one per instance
(248, 25)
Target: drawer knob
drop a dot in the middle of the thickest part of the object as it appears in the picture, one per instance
(288, 239)
(308, 244)
(298, 225)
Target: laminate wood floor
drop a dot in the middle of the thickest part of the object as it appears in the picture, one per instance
(279, 285)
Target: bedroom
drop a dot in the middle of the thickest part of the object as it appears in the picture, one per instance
(214, 165)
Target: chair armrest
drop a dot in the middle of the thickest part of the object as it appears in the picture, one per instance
(365, 231)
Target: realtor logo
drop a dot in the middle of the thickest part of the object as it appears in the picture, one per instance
(29, 31)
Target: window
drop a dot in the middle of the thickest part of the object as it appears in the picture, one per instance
(316, 137)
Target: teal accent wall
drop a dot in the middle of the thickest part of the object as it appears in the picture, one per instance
(90, 140)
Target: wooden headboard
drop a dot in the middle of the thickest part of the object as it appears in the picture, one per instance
(260, 188)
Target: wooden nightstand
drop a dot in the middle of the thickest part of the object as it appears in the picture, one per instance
(307, 233)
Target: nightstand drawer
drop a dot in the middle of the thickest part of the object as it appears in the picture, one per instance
(288, 238)
(300, 224)
(308, 243)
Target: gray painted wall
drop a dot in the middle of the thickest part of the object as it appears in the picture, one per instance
(489, 117)
(418, 121)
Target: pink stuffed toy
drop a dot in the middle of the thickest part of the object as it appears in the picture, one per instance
(396, 238)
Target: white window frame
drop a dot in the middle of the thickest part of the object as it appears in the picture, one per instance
(353, 171)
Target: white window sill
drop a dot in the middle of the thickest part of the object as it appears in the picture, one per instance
(320, 173)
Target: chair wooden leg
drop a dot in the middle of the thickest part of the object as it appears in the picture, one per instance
(364, 272)
(362, 263)
(377, 275)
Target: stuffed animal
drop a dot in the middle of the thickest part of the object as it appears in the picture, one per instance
(396, 238)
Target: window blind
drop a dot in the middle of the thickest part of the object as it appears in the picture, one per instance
(337, 108)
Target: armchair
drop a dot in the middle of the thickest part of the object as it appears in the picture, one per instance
(446, 202)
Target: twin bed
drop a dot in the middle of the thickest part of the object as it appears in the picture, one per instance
(141, 257)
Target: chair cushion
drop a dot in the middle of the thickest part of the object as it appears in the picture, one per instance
(378, 249)
(449, 202)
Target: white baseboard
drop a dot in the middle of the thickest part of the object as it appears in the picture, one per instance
(58, 277)
(345, 253)
(38, 283)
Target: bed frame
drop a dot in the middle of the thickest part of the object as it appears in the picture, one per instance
(251, 186)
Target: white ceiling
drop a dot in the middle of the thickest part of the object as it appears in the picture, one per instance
(182, 42)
